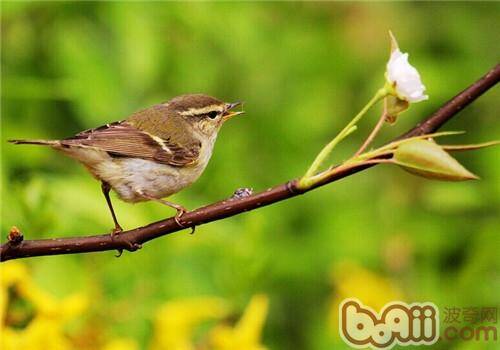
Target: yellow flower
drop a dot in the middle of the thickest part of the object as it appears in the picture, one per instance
(121, 344)
(43, 324)
(176, 321)
(247, 332)
(353, 281)
(12, 274)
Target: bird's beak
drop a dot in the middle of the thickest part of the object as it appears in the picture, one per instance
(228, 114)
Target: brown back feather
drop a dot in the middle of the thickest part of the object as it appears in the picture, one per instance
(121, 139)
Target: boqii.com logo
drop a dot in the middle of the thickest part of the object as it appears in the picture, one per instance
(397, 323)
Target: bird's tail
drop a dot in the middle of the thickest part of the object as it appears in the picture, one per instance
(35, 142)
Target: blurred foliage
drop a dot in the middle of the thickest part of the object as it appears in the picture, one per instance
(303, 69)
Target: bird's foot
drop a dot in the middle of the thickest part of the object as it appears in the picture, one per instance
(131, 247)
(181, 211)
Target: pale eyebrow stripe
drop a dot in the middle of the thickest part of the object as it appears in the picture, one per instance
(204, 110)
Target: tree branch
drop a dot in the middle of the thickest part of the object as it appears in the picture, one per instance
(132, 240)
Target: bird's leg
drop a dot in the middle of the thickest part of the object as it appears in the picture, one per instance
(105, 190)
(180, 209)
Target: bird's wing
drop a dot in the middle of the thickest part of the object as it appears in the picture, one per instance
(121, 139)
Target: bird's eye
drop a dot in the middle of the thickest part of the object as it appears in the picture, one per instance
(213, 115)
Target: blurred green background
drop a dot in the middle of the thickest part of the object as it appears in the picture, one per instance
(303, 69)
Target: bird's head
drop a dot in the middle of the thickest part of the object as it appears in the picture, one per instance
(204, 113)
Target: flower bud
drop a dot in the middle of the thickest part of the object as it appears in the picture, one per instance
(393, 107)
(427, 159)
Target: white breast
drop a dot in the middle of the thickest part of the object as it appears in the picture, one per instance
(130, 177)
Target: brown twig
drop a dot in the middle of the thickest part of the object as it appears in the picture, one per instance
(133, 239)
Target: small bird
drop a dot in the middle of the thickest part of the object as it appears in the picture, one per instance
(152, 154)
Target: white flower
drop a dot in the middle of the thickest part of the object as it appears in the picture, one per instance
(404, 77)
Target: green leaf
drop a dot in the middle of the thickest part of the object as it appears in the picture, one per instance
(469, 147)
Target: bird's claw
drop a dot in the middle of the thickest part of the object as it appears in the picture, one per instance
(181, 211)
(132, 247)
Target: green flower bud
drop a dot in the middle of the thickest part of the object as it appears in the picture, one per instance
(427, 159)
(393, 107)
